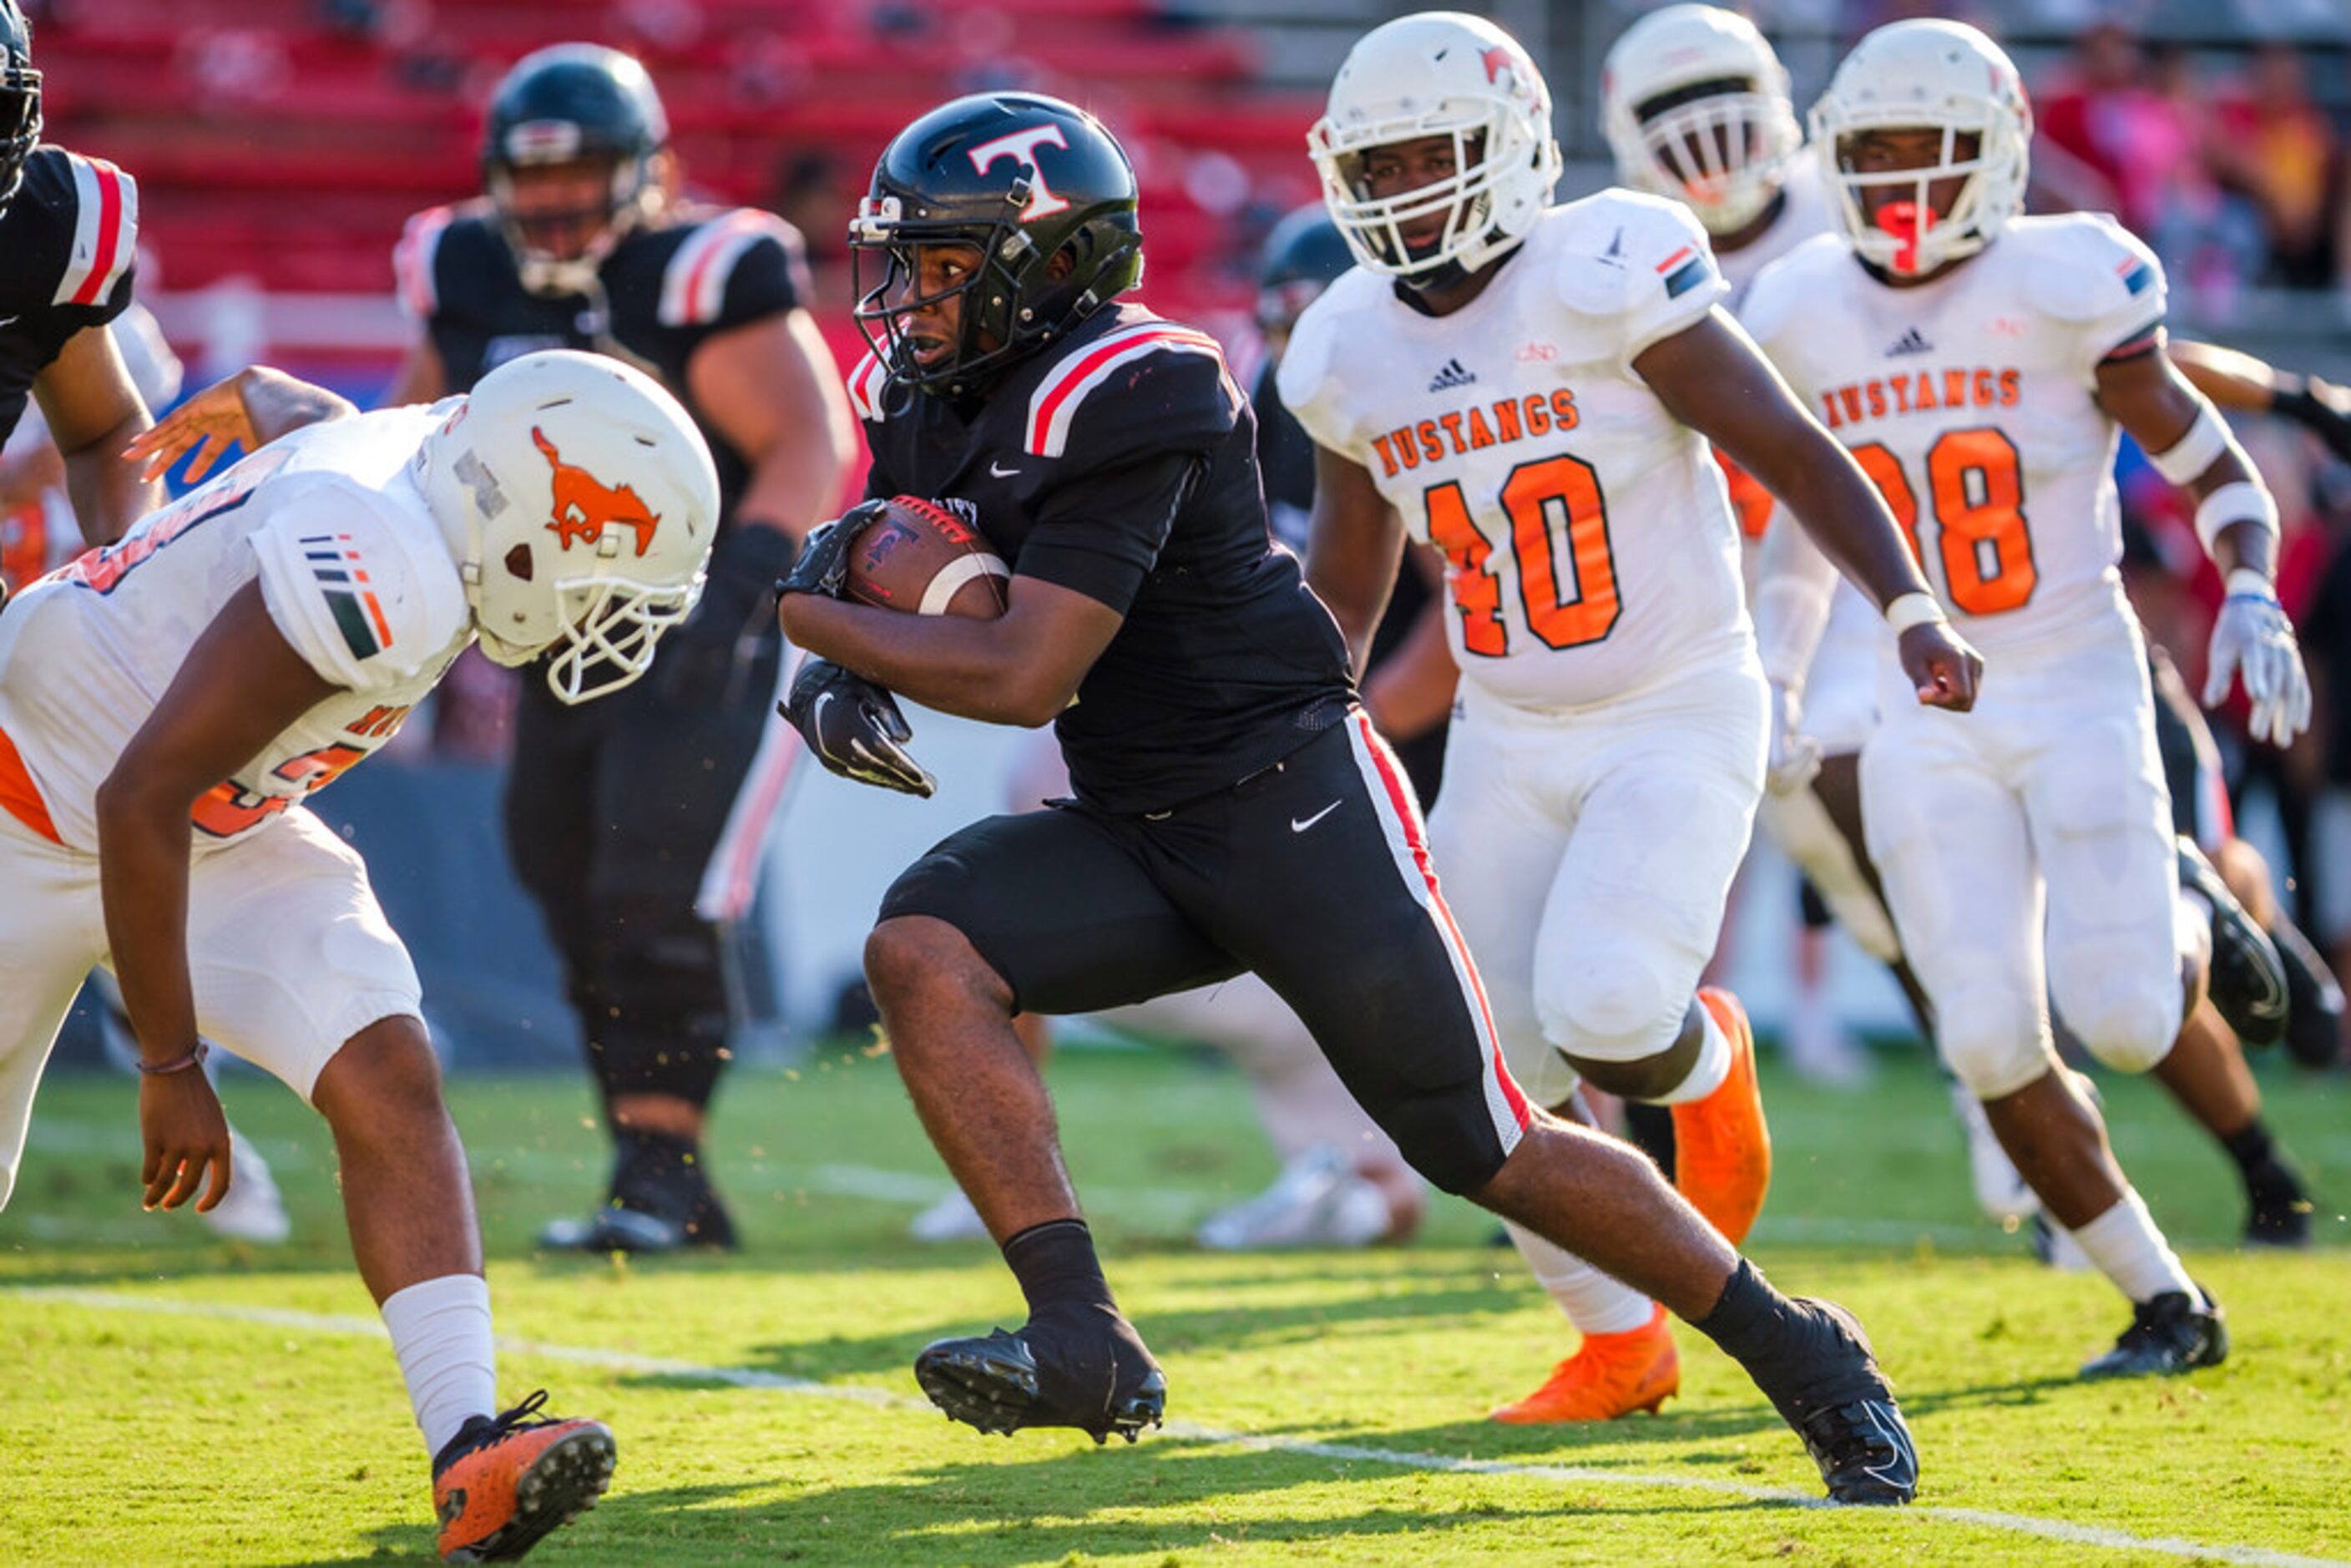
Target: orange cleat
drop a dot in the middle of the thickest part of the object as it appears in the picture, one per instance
(502, 1484)
(1723, 1150)
(1610, 1374)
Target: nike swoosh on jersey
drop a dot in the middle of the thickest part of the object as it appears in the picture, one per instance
(998, 471)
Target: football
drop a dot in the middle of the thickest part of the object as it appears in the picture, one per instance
(924, 558)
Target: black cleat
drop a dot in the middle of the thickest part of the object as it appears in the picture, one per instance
(2281, 1210)
(2172, 1334)
(1046, 1375)
(649, 1218)
(2314, 1021)
(1843, 1409)
(2248, 982)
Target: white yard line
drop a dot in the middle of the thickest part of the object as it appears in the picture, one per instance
(1576, 1475)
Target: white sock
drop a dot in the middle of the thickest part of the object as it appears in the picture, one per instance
(2128, 1249)
(1707, 1074)
(1593, 1301)
(440, 1333)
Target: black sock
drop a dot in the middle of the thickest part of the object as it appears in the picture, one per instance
(2252, 1148)
(1749, 1318)
(655, 1171)
(1056, 1265)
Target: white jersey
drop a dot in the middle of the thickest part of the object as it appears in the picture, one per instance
(1969, 401)
(354, 570)
(1588, 539)
(1804, 213)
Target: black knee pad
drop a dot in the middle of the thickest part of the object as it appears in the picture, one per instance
(1447, 1133)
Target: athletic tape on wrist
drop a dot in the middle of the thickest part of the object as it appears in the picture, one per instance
(2186, 459)
(2239, 501)
(1914, 608)
(2248, 583)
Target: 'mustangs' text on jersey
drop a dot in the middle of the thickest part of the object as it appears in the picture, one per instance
(1970, 400)
(1589, 542)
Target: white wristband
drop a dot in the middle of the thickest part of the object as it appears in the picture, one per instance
(1914, 608)
(2184, 460)
(2239, 501)
(2245, 583)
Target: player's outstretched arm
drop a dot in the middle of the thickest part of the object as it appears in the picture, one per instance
(2239, 381)
(249, 409)
(1712, 378)
(241, 687)
(94, 416)
(2236, 517)
(1354, 540)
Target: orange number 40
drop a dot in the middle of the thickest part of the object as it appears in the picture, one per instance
(1558, 535)
(1978, 489)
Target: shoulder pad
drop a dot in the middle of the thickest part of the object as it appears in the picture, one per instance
(363, 594)
(1308, 376)
(867, 383)
(2085, 265)
(1156, 383)
(1609, 248)
(1783, 285)
(693, 283)
(415, 258)
(101, 204)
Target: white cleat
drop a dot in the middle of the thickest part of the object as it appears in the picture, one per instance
(254, 1211)
(1318, 1200)
(952, 1218)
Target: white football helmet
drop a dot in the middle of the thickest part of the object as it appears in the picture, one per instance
(580, 501)
(1724, 149)
(1928, 75)
(1435, 74)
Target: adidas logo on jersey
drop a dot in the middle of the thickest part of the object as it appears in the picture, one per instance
(1452, 374)
(1913, 342)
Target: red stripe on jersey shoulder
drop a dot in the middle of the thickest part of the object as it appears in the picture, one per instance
(414, 258)
(693, 288)
(109, 228)
(1057, 398)
(865, 384)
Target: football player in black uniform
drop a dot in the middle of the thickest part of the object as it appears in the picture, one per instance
(636, 823)
(1233, 808)
(69, 244)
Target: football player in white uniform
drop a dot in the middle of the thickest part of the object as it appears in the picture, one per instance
(167, 701)
(1979, 365)
(1532, 389)
(1696, 108)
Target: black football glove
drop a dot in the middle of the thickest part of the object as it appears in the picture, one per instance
(855, 728)
(706, 660)
(823, 564)
(2319, 407)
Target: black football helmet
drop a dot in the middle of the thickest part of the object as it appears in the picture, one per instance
(1304, 255)
(20, 98)
(558, 105)
(1022, 177)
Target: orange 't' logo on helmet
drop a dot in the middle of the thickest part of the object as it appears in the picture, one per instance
(584, 508)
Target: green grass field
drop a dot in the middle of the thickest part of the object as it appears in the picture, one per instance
(165, 1398)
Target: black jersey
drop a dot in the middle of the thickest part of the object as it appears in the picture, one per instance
(69, 239)
(1285, 456)
(665, 290)
(1121, 463)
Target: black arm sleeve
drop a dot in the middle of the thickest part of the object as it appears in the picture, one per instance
(1102, 537)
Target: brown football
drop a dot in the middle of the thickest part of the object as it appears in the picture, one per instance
(922, 557)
